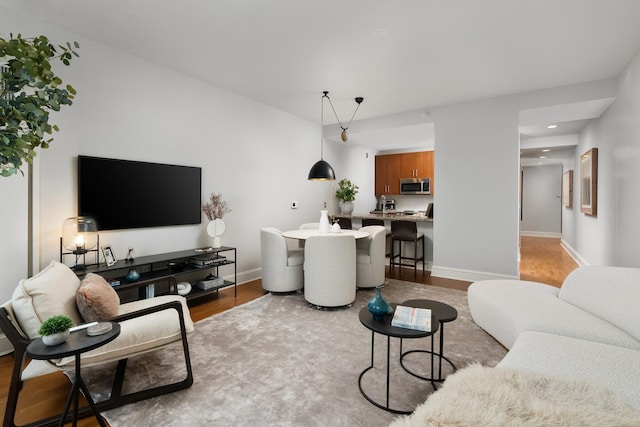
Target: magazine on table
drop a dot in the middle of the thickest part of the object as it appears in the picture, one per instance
(412, 318)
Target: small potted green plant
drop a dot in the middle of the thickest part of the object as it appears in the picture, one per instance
(55, 330)
(346, 194)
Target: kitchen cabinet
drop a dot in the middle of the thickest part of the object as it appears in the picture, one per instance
(415, 165)
(391, 168)
(388, 174)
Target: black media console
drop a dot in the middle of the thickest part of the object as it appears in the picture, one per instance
(160, 274)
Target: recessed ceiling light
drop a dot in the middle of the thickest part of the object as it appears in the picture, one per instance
(542, 157)
(546, 150)
(552, 126)
(380, 32)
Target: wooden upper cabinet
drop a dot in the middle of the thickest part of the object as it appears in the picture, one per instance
(414, 165)
(388, 174)
(391, 168)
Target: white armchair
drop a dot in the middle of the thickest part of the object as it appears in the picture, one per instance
(370, 257)
(281, 267)
(330, 270)
(146, 325)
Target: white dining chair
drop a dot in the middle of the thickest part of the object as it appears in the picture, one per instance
(370, 257)
(330, 270)
(307, 226)
(281, 267)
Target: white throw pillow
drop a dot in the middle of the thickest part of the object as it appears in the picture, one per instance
(50, 292)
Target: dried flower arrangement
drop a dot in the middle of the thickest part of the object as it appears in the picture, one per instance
(216, 207)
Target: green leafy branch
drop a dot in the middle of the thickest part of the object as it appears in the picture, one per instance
(29, 90)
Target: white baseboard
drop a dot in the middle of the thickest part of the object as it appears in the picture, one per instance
(573, 254)
(246, 276)
(541, 234)
(5, 345)
(467, 275)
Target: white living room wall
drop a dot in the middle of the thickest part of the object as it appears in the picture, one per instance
(613, 236)
(256, 156)
(476, 168)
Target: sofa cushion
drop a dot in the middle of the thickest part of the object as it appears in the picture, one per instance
(611, 293)
(613, 367)
(50, 292)
(505, 308)
(96, 300)
(140, 334)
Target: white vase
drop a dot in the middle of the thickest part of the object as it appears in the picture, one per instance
(346, 208)
(55, 339)
(324, 226)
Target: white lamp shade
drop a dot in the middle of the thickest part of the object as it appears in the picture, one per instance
(79, 234)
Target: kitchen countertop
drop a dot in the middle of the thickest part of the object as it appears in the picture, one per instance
(389, 216)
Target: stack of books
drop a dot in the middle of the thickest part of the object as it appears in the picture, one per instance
(210, 282)
(205, 260)
(412, 318)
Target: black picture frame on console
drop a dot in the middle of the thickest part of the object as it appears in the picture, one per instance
(125, 194)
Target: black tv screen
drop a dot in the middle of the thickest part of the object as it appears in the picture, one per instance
(123, 194)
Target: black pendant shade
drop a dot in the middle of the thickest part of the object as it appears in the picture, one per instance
(321, 171)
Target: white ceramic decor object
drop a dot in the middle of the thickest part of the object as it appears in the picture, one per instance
(215, 229)
(324, 226)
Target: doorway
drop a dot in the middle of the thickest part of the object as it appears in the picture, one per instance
(541, 201)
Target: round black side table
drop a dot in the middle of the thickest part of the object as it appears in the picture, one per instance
(384, 327)
(444, 313)
(77, 343)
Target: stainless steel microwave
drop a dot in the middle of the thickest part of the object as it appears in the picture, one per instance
(415, 186)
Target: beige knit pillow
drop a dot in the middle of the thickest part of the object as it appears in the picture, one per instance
(96, 299)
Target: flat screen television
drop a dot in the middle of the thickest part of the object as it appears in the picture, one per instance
(125, 194)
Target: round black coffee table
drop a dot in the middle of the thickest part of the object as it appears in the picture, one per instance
(444, 313)
(384, 327)
(77, 343)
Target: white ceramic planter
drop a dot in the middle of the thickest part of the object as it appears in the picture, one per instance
(55, 339)
(346, 208)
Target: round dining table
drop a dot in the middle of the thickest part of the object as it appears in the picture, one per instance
(304, 234)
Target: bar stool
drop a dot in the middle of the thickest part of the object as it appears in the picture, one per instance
(375, 221)
(405, 231)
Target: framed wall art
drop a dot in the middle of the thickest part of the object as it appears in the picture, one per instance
(567, 189)
(589, 182)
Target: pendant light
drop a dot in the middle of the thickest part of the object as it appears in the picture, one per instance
(322, 171)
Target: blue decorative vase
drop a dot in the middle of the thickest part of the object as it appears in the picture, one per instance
(133, 275)
(378, 306)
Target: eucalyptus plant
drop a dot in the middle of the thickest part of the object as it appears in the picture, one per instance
(29, 91)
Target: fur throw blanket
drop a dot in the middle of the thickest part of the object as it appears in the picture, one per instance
(480, 396)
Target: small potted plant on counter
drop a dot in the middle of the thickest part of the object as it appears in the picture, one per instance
(55, 330)
(346, 194)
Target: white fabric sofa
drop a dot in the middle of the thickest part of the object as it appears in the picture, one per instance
(587, 329)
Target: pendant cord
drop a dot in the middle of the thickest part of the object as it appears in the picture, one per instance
(322, 125)
(336, 114)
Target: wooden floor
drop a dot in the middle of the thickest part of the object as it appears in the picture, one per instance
(542, 259)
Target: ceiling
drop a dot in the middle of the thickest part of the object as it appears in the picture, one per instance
(401, 57)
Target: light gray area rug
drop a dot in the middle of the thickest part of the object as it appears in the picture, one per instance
(277, 361)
